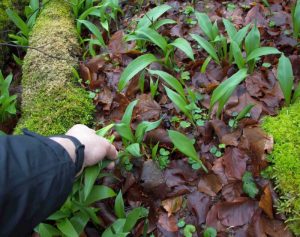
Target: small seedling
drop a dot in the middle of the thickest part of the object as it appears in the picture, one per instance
(215, 151)
(245, 113)
(189, 230)
(231, 7)
(185, 124)
(249, 186)
(181, 223)
(210, 232)
(163, 158)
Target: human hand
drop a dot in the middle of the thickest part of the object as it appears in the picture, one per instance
(96, 148)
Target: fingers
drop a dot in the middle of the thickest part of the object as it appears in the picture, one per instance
(111, 152)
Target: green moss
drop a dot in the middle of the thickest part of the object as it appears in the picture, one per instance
(51, 103)
(285, 129)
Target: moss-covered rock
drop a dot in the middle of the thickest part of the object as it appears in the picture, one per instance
(51, 102)
(285, 129)
(5, 24)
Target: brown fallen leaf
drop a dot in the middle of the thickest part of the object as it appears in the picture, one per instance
(105, 98)
(172, 205)
(266, 203)
(209, 184)
(84, 72)
(169, 223)
(147, 108)
(234, 161)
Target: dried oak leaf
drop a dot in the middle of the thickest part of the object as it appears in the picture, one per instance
(172, 205)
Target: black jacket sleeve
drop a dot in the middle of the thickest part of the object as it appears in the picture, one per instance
(36, 176)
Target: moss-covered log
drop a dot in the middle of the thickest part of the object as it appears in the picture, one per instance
(51, 102)
(6, 25)
(285, 129)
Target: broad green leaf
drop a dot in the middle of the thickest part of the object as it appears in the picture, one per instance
(184, 46)
(125, 131)
(67, 228)
(179, 102)
(60, 214)
(227, 85)
(103, 131)
(285, 77)
(230, 28)
(154, 37)
(91, 212)
(249, 186)
(185, 146)
(170, 80)
(215, 30)
(90, 176)
(94, 29)
(237, 54)
(252, 40)
(223, 100)
(241, 34)
(205, 24)
(244, 111)
(119, 206)
(205, 64)
(117, 226)
(46, 230)
(296, 20)
(152, 15)
(206, 46)
(79, 221)
(262, 51)
(134, 149)
(126, 119)
(133, 216)
(144, 127)
(134, 68)
(99, 192)
(163, 22)
(14, 17)
(2, 133)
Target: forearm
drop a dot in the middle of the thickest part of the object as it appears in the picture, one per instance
(36, 176)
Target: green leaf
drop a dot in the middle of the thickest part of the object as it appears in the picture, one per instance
(252, 40)
(184, 145)
(179, 102)
(210, 232)
(117, 226)
(134, 149)
(2, 133)
(14, 17)
(133, 216)
(189, 230)
(184, 46)
(46, 230)
(296, 94)
(230, 28)
(244, 111)
(99, 192)
(94, 29)
(206, 46)
(67, 228)
(134, 68)
(170, 80)
(285, 77)
(119, 206)
(237, 54)
(227, 86)
(205, 24)
(262, 51)
(163, 22)
(152, 15)
(79, 221)
(126, 119)
(124, 131)
(249, 187)
(103, 131)
(296, 20)
(144, 127)
(241, 34)
(154, 37)
(205, 64)
(90, 176)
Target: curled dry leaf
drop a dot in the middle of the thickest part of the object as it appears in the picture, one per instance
(266, 202)
(85, 73)
(172, 205)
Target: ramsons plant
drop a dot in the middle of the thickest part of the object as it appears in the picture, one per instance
(7, 101)
(132, 141)
(296, 19)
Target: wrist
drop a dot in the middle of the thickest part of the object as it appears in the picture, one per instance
(68, 145)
